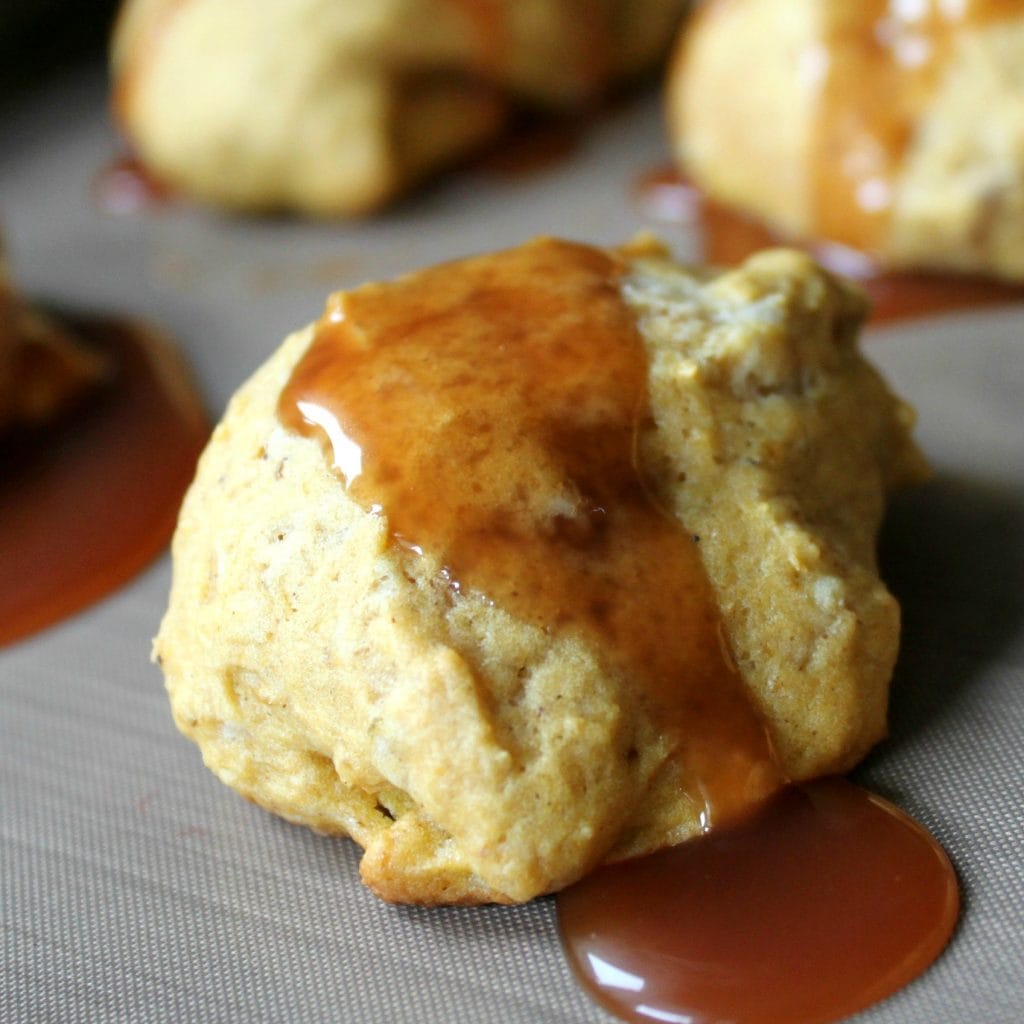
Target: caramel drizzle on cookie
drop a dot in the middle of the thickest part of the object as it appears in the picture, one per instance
(879, 65)
(491, 410)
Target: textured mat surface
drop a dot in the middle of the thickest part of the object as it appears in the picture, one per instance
(134, 887)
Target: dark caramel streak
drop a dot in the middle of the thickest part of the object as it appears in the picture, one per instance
(490, 409)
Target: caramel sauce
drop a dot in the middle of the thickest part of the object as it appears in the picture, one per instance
(727, 237)
(88, 501)
(884, 60)
(492, 410)
(126, 186)
(824, 902)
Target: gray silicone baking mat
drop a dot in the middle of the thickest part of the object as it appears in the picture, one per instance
(135, 887)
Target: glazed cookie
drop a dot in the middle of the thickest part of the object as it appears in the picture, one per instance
(894, 129)
(542, 559)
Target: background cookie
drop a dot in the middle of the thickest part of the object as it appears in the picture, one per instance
(900, 133)
(334, 108)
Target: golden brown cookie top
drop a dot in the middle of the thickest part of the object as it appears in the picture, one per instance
(492, 411)
(461, 644)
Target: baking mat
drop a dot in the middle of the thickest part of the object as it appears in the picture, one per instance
(135, 887)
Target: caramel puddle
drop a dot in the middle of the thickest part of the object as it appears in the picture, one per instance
(825, 901)
(88, 501)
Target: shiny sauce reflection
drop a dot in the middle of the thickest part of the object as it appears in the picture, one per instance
(825, 901)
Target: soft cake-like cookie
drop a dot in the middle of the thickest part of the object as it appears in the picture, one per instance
(332, 108)
(897, 129)
(542, 559)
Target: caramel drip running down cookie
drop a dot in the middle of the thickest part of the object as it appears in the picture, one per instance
(882, 60)
(440, 395)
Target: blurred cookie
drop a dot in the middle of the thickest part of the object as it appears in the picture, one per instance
(539, 559)
(894, 129)
(43, 369)
(334, 108)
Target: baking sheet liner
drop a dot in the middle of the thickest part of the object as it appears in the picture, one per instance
(135, 887)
